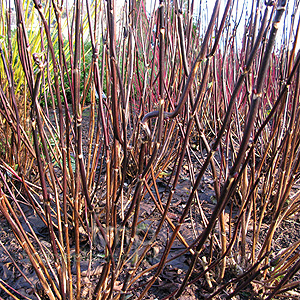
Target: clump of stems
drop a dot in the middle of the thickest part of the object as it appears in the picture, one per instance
(108, 112)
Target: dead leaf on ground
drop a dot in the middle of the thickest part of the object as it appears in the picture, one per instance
(118, 286)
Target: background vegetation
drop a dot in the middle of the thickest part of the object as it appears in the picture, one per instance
(142, 139)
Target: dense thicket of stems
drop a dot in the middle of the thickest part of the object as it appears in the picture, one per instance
(108, 113)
